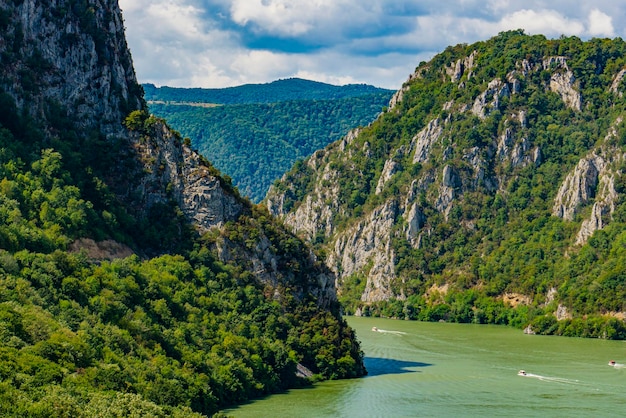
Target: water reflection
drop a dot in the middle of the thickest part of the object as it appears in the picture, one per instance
(377, 366)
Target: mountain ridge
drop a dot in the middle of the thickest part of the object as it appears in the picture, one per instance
(255, 143)
(217, 304)
(450, 200)
(271, 92)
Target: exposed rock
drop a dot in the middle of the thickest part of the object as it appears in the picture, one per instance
(505, 142)
(174, 172)
(424, 140)
(368, 243)
(516, 299)
(554, 63)
(562, 313)
(520, 155)
(592, 179)
(522, 118)
(489, 100)
(399, 95)
(450, 180)
(562, 81)
(525, 67)
(103, 250)
(514, 82)
(475, 158)
(397, 98)
(415, 221)
(83, 71)
(391, 167)
(606, 197)
(617, 81)
(266, 264)
(593, 223)
(303, 372)
(102, 86)
(578, 188)
(529, 330)
(461, 66)
(436, 292)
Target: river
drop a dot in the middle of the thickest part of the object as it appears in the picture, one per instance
(421, 369)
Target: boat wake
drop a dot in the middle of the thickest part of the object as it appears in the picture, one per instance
(549, 378)
(384, 331)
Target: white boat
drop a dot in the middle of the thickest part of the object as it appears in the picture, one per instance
(522, 373)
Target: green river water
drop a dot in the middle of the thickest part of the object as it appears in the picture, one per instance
(420, 369)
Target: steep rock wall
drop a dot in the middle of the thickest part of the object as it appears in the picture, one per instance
(86, 67)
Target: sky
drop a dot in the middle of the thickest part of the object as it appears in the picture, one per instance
(224, 43)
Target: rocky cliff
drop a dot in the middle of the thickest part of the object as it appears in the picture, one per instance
(69, 60)
(129, 265)
(72, 54)
(481, 138)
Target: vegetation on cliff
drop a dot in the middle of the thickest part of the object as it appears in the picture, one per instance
(498, 159)
(259, 131)
(178, 329)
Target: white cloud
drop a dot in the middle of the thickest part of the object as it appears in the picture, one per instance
(546, 22)
(219, 43)
(285, 17)
(600, 24)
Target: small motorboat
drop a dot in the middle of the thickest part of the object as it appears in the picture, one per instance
(374, 329)
(612, 363)
(522, 373)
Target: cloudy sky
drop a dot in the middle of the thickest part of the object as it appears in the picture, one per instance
(222, 43)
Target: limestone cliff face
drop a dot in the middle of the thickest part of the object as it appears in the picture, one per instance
(366, 248)
(59, 52)
(443, 171)
(562, 81)
(579, 187)
(71, 58)
(173, 172)
(591, 181)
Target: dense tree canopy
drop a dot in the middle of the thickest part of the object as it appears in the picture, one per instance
(499, 234)
(258, 132)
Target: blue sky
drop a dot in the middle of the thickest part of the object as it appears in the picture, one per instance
(222, 43)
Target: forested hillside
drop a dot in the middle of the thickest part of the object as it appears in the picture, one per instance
(277, 91)
(134, 279)
(271, 126)
(491, 191)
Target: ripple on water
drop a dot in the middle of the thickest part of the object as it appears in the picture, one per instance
(463, 370)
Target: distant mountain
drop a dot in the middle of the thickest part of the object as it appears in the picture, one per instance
(254, 133)
(492, 190)
(276, 91)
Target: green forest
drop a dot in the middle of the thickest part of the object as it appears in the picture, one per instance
(169, 331)
(493, 240)
(255, 142)
(284, 90)
(162, 336)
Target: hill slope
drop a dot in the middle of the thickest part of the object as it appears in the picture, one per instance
(276, 91)
(259, 131)
(491, 191)
(134, 280)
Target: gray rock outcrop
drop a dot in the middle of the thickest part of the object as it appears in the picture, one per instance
(424, 140)
(578, 188)
(91, 76)
(368, 244)
(489, 100)
(562, 81)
